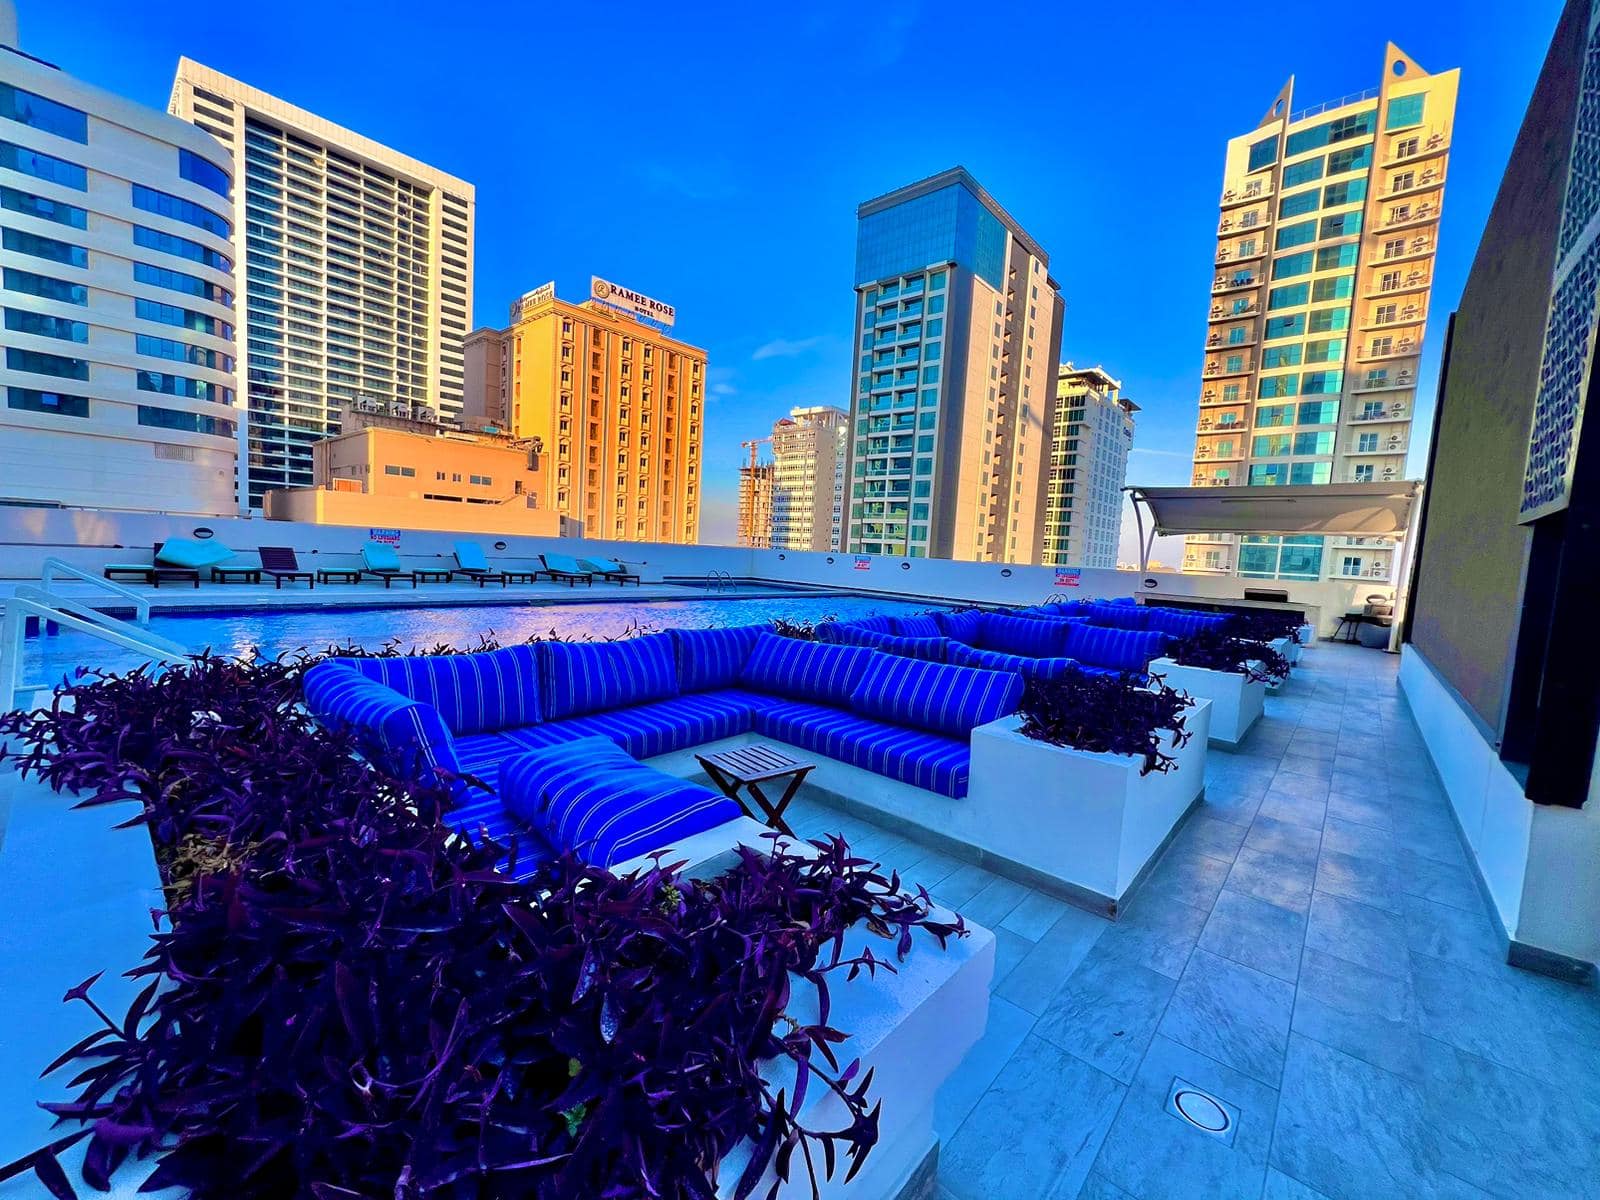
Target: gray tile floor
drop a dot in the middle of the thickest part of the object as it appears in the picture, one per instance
(1313, 951)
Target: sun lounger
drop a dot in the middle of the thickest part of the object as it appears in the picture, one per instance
(177, 560)
(473, 564)
(610, 569)
(283, 565)
(563, 568)
(383, 562)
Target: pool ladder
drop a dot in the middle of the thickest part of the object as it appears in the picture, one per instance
(49, 608)
(719, 581)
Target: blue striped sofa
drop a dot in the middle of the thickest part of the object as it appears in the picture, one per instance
(1178, 622)
(467, 716)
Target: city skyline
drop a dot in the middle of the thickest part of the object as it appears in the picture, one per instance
(789, 197)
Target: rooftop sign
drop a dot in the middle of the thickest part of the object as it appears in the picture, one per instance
(631, 301)
(528, 299)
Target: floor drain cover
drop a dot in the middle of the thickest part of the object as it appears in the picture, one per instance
(1203, 1111)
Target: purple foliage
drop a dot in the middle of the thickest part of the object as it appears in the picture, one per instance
(1106, 713)
(348, 1000)
(1221, 650)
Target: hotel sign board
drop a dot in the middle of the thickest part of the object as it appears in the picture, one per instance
(528, 299)
(630, 301)
(1069, 576)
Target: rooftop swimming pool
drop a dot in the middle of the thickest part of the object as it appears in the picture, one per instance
(48, 659)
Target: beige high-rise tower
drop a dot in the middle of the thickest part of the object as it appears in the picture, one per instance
(809, 449)
(1324, 272)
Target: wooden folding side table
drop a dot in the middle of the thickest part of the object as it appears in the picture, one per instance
(749, 767)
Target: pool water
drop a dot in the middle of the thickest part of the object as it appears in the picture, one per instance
(50, 658)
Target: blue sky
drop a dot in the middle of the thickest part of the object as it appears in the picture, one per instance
(713, 156)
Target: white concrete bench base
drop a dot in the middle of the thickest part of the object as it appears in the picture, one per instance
(1236, 701)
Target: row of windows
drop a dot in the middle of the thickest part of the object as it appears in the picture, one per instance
(1322, 320)
(42, 247)
(167, 418)
(44, 286)
(46, 210)
(207, 174)
(1329, 258)
(1347, 191)
(156, 347)
(165, 204)
(1312, 412)
(178, 281)
(40, 363)
(31, 400)
(1331, 350)
(1312, 383)
(40, 112)
(182, 385)
(1340, 130)
(1278, 445)
(1293, 295)
(44, 166)
(1268, 474)
(1356, 158)
(171, 243)
(40, 325)
(171, 314)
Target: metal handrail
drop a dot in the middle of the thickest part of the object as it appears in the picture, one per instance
(68, 614)
(52, 565)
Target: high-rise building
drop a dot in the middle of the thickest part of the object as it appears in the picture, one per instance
(1091, 434)
(356, 274)
(488, 385)
(809, 451)
(1324, 269)
(958, 329)
(117, 282)
(617, 407)
(755, 504)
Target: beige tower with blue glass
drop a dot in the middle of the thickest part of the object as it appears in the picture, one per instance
(1319, 308)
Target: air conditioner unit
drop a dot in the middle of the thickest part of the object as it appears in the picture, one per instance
(345, 485)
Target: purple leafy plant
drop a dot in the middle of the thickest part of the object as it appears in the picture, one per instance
(1221, 650)
(347, 999)
(1109, 714)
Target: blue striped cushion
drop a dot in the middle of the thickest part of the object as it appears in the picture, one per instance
(962, 625)
(925, 760)
(474, 693)
(920, 626)
(589, 797)
(712, 658)
(1071, 611)
(936, 696)
(1122, 600)
(1183, 622)
(582, 677)
(405, 737)
(806, 670)
(912, 647)
(1022, 635)
(1119, 649)
(1042, 670)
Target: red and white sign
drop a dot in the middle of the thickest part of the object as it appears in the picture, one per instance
(1069, 576)
(863, 563)
(384, 537)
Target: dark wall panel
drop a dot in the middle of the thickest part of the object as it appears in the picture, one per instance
(1468, 592)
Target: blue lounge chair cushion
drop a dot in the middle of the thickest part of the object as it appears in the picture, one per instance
(1119, 649)
(588, 796)
(1070, 611)
(1180, 622)
(403, 736)
(914, 756)
(474, 693)
(961, 625)
(585, 677)
(192, 553)
(1119, 616)
(1123, 600)
(937, 697)
(379, 557)
(922, 625)
(564, 563)
(1022, 635)
(605, 566)
(470, 557)
(1041, 670)
(804, 670)
(713, 658)
(853, 635)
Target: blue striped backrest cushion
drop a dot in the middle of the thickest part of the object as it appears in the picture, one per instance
(1119, 649)
(402, 734)
(808, 670)
(473, 693)
(585, 677)
(713, 658)
(930, 648)
(962, 625)
(920, 626)
(880, 623)
(936, 696)
(1041, 669)
(1181, 622)
(1056, 612)
(1023, 635)
(1119, 616)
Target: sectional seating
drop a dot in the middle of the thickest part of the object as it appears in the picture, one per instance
(1179, 622)
(1033, 670)
(1117, 649)
(931, 648)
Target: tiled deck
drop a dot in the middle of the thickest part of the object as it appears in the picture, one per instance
(1313, 951)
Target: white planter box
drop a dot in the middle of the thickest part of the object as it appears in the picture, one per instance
(1089, 820)
(1283, 646)
(1236, 700)
(1307, 635)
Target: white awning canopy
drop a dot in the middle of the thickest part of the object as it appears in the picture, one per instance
(1335, 509)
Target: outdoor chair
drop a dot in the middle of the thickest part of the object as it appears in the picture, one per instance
(383, 562)
(283, 565)
(473, 564)
(611, 570)
(177, 560)
(563, 568)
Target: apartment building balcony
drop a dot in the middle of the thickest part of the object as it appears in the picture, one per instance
(1402, 380)
(1207, 424)
(1395, 443)
(1414, 281)
(1404, 348)
(1406, 315)
(1225, 283)
(1205, 453)
(1247, 192)
(1387, 415)
(1226, 312)
(1211, 397)
(1218, 341)
(1240, 223)
(1424, 214)
(1417, 247)
(1429, 145)
(1428, 180)
(1221, 370)
(1227, 254)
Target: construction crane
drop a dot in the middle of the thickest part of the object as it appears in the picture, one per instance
(754, 447)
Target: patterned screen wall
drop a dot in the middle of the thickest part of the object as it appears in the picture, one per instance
(1574, 304)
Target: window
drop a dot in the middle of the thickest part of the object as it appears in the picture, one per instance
(1402, 181)
(1319, 412)
(1281, 356)
(1357, 158)
(1384, 314)
(1289, 296)
(178, 281)
(46, 364)
(46, 210)
(1337, 288)
(167, 243)
(1313, 443)
(155, 347)
(1323, 383)
(1266, 474)
(41, 325)
(1340, 130)
(1367, 443)
(1268, 415)
(1330, 350)
(1278, 385)
(44, 286)
(43, 247)
(1406, 147)
(1363, 473)
(1382, 345)
(1303, 172)
(40, 112)
(1263, 153)
(1236, 335)
(1333, 257)
(29, 400)
(1329, 320)
(1290, 265)
(1295, 235)
(181, 385)
(1298, 204)
(1340, 225)
(1310, 473)
(1350, 564)
(1404, 111)
(208, 175)
(171, 314)
(165, 205)
(1394, 247)
(1282, 327)
(43, 166)
(1346, 192)
(1271, 445)
(167, 418)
